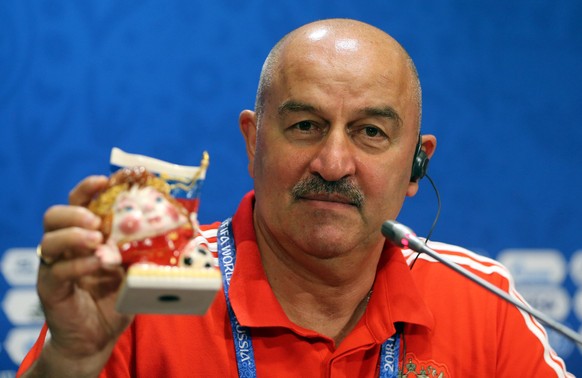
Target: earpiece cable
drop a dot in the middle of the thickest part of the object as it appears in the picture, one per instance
(438, 213)
(436, 218)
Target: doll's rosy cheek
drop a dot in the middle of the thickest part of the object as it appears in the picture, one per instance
(173, 213)
(129, 225)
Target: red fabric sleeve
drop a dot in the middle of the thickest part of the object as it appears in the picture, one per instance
(34, 352)
(521, 332)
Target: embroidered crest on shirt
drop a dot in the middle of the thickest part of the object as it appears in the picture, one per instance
(415, 368)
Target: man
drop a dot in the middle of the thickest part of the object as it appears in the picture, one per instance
(316, 290)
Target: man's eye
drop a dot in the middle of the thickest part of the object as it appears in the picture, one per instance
(305, 131)
(372, 131)
(371, 137)
(303, 126)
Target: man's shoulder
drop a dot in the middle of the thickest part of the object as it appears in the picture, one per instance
(466, 258)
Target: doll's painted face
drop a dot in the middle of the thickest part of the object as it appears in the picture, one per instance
(143, 212)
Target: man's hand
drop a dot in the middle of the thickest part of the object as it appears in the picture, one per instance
(77, 293)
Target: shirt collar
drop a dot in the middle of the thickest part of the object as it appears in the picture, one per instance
(395, 297)
(251, 297)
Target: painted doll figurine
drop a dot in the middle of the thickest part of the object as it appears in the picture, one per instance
(143, 223)
(157, 240)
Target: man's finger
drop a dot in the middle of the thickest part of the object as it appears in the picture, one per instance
(82, 194)
(56, 282)
(63, 216)
(69, 243)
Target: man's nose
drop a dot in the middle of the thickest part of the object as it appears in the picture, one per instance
(335, 157)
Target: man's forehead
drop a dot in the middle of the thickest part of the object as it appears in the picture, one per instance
(355, 76)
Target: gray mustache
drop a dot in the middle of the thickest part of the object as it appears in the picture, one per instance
(317, 185)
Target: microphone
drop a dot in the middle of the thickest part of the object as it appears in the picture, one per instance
(404, 237)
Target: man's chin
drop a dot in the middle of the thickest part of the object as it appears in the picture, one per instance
(325, 237)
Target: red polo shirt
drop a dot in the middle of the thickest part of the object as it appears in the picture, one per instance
(453, 328)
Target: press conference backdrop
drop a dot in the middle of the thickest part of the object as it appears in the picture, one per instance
(501, 83)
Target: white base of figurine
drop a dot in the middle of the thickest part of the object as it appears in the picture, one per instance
(154, 289)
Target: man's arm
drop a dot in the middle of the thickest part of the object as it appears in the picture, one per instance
(76, 292)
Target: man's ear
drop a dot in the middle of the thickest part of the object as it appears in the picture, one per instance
(248, 126)
(429, 143)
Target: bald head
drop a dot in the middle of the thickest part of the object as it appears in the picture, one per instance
(337, 36)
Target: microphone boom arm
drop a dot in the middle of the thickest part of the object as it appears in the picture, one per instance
(404, 237)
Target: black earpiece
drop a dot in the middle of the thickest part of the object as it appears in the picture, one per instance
(419, 163)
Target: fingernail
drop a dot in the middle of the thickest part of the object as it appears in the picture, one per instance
(94, 238)
(92, 221)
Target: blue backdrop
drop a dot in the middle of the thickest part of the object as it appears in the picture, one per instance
(168, 79)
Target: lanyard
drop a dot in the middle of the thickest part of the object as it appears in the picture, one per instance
(243, 345)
